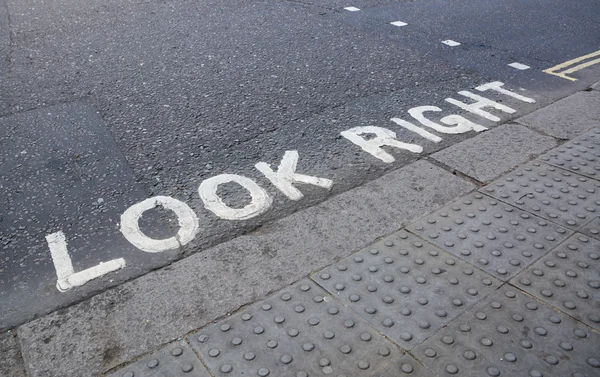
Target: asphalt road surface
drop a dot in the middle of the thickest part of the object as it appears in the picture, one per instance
(104, 104)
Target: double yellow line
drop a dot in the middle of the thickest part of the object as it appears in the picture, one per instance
(563, 73)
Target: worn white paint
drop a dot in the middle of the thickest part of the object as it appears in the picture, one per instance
(67, 278)
(478, 106)
(398, 23)
(461, 125)
(519, 66)
(418, 130)
(352, 9)
(188, 224)
(80, 278)
(285, 176)
(498, 87)
(451, 43)
(261, 201)
(383, 137)
(57, 243)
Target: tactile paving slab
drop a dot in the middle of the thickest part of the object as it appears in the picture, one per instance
(175, 360)
(580, 155)
(568, 278)
(511, 334)
(300, 331)
(592, 228)
(408, 367)
(492, 235)
(553, 193)
(406, 288)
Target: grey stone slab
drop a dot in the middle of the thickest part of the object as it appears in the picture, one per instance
(11, 362)
(511, 334)
(174, 360)
(592, 228)
(493, 235)
(407, 366)
(143, 314)
(406, 288)
(555, 194)
(568, 278)
(299, 331)
(567, 118)
(494, 152)
(580, 155)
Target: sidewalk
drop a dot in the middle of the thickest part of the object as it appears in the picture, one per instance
(498, 276)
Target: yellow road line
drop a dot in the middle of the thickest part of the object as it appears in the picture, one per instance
(563, 74)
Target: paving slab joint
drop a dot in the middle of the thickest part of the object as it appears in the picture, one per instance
(455, 172)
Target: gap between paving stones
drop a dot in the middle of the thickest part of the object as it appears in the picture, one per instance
(398, 339)
(139, 316)
(332, 289)
(229, 364)
(113, 352)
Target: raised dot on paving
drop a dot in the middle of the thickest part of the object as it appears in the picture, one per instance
(519, 66)
(398, 23)
(511, 334)
(568, 278)
(451, 43)
(324, 338)
(175, 360)
(352, 9)
(553, 193)
(492, 235)
(406, 288)
(406, 366)
(580, 155)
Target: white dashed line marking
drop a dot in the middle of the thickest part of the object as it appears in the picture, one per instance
(520, 66)
(451, 43)
(398, 23)
(352, 9)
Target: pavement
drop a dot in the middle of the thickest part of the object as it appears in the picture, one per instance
(375, 188)
(449, 266)
(104, 104)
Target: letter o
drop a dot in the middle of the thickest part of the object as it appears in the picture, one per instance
(130, 227)
(261, 201)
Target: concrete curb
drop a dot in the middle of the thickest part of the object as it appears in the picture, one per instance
(126, 322)
(139, 316)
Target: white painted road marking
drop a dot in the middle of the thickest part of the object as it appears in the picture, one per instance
(398, 23)
(477, 107)
(352, 9)
(451, 43)
(261, 201)
(498, 87)
(286, 176)
(519, 66)
(188, 225)
(383, 136)
(67, 278)
(461, 124)
(370, 138)
(418, 130)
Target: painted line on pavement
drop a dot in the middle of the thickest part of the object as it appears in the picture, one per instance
(371, 139)
(352, 9)
(398, 23)
(571, 68)
(519, 66)
(451, 43)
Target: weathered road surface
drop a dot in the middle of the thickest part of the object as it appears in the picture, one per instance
(104, 104)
